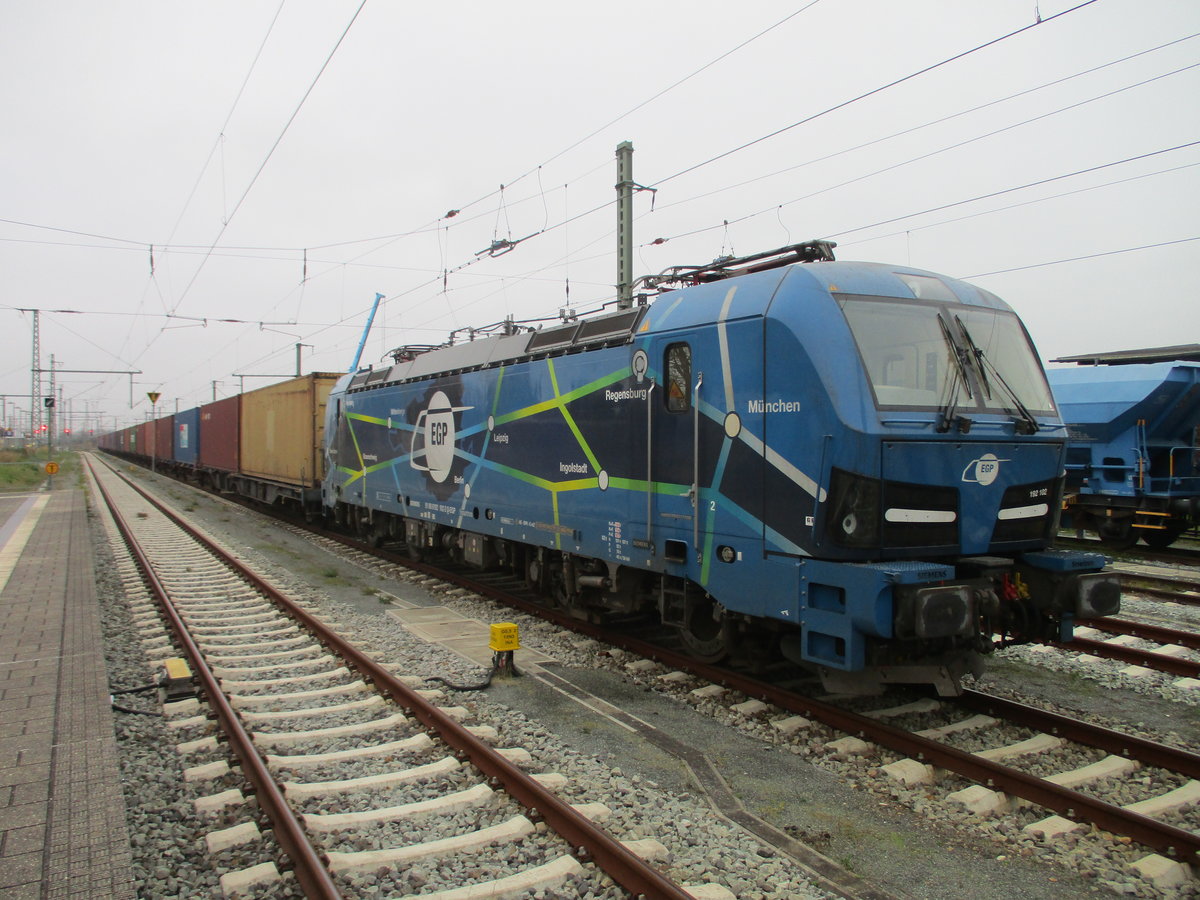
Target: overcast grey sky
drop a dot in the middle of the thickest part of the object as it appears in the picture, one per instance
(169, 165)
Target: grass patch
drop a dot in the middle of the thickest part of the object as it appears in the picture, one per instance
(21, 470)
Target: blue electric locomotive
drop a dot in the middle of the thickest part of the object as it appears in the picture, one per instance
(859, 464)
(1133, 456)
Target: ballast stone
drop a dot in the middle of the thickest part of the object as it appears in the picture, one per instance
(648, 849)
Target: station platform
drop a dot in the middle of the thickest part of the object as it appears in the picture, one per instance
(62, 813)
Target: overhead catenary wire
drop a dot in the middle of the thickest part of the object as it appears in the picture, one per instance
(1019, 187)
(537, 169)
(271, 152)
(476, 272)
(938, 121)
(924, 156)
(225, 124)
(872, 92)
(228, 218)
(841, 105)
(138, 244)
(999, 209)
(1058, 262)
(686, 78)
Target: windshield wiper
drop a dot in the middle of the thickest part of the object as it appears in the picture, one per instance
(949, 408)
(1026, 423)
(978, 354)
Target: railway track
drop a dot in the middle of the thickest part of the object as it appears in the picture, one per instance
(998, 775)
(933, 748)
(286, 688)
(1181, 554)
(963, 748)
(1177, 579)
(1172, 653)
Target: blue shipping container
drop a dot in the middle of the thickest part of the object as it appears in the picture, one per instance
(187, 437)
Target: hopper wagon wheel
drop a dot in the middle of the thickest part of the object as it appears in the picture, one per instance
(708, 634)
(1117, 534)
(1158, 539)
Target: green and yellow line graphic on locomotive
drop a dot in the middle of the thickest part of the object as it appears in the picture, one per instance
(550, 443)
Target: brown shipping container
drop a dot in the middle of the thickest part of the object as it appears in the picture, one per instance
(143, 440)
(164, 438)
(220, 425)
(282, 429)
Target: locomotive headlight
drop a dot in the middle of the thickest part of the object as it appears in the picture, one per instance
(853, 510)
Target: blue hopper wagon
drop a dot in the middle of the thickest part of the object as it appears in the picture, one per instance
(1133, 457)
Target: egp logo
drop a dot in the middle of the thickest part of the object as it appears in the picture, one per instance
(983, 470)
(435, 425)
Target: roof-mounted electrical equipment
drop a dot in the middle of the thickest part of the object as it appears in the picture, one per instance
(409, 352)
(732, 266)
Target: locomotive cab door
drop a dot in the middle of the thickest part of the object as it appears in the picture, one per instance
(706, 464)
(671, 424)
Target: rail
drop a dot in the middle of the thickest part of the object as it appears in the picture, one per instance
(589, 842)
(311, 872)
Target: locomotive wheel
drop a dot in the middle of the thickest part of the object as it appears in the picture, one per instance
(1160, 540)
(707, 639)
(1117, 534)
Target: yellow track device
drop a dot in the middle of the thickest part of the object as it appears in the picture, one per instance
(175, 680)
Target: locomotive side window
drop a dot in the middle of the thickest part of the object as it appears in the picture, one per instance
(679, 378)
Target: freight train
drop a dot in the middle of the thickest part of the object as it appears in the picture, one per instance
(1133, 455)
(855, 465)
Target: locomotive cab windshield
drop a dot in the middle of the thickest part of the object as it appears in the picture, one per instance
(947, 358)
